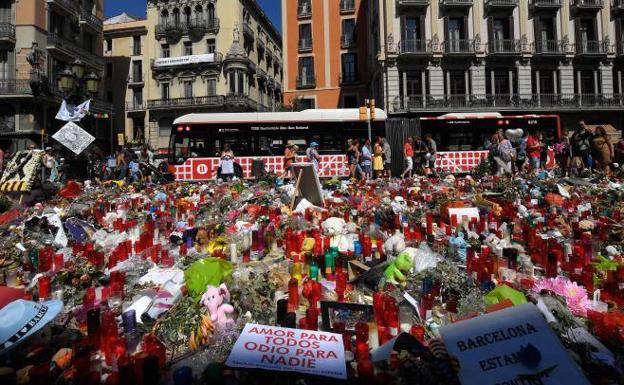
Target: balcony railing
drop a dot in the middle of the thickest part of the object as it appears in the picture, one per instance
(209, 101)
(407, 4)
(593, 5)
(505, 46)
(72, 49)
(308, 81)
(525, 102)
(460, 46)
(135, 106)
(196, 26)
(15, 87)
(456, 3)
(304, 10)
(593, 47)
(348, 78)
(347, 6)
(136, 78)
(546, 4)
(347, 40)
(89, 19)
(305, 44)
(416, 46)
(550, 47)
(501, 3)
(7, 32)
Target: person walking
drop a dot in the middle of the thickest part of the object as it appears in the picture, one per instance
(534, 151)
(351, 157)
(420, 155)
(581, 147)
(563, 152)
(121, 165)
(289, 158)
(387, 152)
(366, 160)
(227, 163)
(602, 150)
(431, 155)
(313, 156)
(505, 157)
(378, 165)
(408, 155)
(521, 152)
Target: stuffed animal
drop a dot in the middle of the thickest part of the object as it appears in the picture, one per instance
(395, 244)
(459, 243)
(215, 299)
(395, 272)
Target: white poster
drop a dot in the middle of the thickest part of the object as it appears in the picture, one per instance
(184, 60)
(510, 346)
(289, 350)
(73, 137)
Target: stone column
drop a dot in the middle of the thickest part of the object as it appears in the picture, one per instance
(606, 77)
(524, 78)
(477, 75)
(436, 81)
(392, 90)
(566, 78)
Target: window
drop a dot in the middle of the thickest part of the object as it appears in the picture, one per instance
(306, 68)
(348, 29)
(456, 83)
(136, 45)
(241, 83)
(188, 48)
(456, 28)
(109, 45)
(307, 103)
(412, 28)
(210, 10)
(305, 36)
(137, 97)
(109, 96)
(304, 8)
(349, 68)
(109, 70)
(164, 126)
(188, 88)
(89, 44)
(164, 91)
(212, 87)
(212, 45)
(165, 50)
(500, 81)
(137, 71)
(5, 65)
(350, 101)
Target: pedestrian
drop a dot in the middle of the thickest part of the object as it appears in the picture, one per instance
(420, 155)
(366, 160)
(122, 165)
(619, 152)
(351, 157)
(408, 155)
(50, 165)
(227, 163)
(378, 165)
(563, 152)
(602, 150)
(581, 147)
(534, 151)
(387, 151)
(146, 156)
(431, 155)
(359, 173)
(111, 166)
(521, 152)
(505, 156)
(313, 156)
(134, 170)
(289, 158)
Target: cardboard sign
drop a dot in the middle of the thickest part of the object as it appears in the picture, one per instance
(289, 350)
(469, 212)
(514, 346)
(310, 185)
(21, 172)
(74, 137)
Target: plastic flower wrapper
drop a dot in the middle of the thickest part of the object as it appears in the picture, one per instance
(575, 295)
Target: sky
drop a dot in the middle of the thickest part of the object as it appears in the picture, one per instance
(137, 8)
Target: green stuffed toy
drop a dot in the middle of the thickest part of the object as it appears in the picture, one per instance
(395, 271)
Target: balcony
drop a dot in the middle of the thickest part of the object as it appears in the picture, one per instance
(69, 6)
(505, 47)
(172, 31)
(349, 78)
(199, 101)
(304, 10)
(248, 32)
(509, 102)
(618, 6)
(456, 3)
(135, 106)
(7, 33)
(240, 102)
(407, 5)
(347, 6)
(501, 4)
(15, 87)
(261, 45)
(416, 47)
(347, 41)
(550, 47)
(200, 26)
(70, 50)
(586, 6)
(305, 44)
(460, 47)
(262, 76)
(306, 82)
(88, 19)
(546, 5)
(592, 48)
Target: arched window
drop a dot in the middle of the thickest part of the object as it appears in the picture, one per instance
(210, 10)
(164, 16)
(176, 16)
(199, 12)
(187, 15)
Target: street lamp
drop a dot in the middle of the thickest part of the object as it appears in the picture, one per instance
(66, 81)
(78, 68)
(92, 82)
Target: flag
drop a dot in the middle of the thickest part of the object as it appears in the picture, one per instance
(73, 114)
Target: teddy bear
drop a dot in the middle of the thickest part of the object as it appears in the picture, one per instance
(395, 271)
(215, 299)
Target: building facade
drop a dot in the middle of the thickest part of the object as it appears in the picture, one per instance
(197, 56)
(326, 53)
(39, 39)
(437, 56)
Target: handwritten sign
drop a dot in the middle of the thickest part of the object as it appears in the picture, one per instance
(514, 346)
(21, 172)
(289, 350)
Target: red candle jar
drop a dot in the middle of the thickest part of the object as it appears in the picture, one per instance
(312, 314)
(361, 333)
(44, 287)
(418, 332)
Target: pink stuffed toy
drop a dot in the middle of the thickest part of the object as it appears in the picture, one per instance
(215, 299)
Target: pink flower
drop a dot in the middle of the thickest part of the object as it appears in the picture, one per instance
(232, 215)
(575, 295)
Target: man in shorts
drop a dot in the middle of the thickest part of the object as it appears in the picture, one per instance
(408, 154)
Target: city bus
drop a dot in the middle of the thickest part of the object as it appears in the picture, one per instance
(462, 138)
(197, 139)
